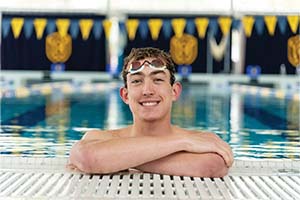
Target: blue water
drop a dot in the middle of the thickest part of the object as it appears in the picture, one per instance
(255, 126)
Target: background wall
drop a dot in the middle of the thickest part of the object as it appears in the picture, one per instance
(156, 6)
(100, 53)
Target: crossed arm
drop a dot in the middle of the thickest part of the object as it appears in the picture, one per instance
(202, 155)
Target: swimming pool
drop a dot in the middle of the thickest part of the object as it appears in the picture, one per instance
(48, 124)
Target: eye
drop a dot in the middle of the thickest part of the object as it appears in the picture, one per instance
(136, 81)
(157, 80)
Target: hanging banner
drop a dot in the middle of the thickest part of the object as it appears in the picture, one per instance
(236, 24)
(51, 27)
(167, 28)
(178, 25)
(248, 22)
(154, 27)
(225, 24)
(190, 26)
(107, 27)
(63, 26)
(213, 26)
(201, 24)
(218, 50)
(74, 28)
(282, 24)
(39, 27)
(5, 27)
(17, 24)
(143, 29)
(86, 26)
(259, 25)
(184, 49)
(28, 27)
(293, 22)
(131, 27)
(97, 30)
(294, 50)
(271, 22)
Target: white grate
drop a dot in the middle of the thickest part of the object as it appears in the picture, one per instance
(39, 181)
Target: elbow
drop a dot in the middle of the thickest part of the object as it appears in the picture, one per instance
(80, 156)
(217, 168)
(87, 160)
(214, 167)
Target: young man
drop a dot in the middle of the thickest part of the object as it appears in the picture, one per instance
(151, 143)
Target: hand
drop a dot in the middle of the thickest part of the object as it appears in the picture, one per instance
(72, 168)
(209, 142)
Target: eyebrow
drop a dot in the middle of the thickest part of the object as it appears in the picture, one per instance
(157, 72)
(151, 73)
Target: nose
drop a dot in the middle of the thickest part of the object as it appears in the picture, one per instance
(148, 89)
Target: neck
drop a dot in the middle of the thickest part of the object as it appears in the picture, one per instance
(152, 128)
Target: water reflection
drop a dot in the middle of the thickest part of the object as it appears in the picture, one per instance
(256, 127)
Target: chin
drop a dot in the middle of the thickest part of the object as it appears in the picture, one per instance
(151, 118)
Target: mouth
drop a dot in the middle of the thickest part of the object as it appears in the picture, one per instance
(149, 103)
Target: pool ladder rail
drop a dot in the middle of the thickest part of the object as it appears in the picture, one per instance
(47, 178)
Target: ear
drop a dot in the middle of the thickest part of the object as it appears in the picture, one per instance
(177, 88)
(124, 94)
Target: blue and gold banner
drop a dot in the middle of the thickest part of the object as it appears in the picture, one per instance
(248, 22)
(271, 22)
(63, 26)
(259, 25)
(236, 24)
(225, 24)
(143, 29)
(293, 22)
(28, 27)
(39, 26)
(17, 25)
(190, 26)
(167, 28)
(97, 29)
(51, 26)
(155, 27)
(74, 29)
(213, 26)
(122, 28)
(86, 27)
(146, 27)
(107, 27)
(131, 27)
(282, 24)
(201, 24)
(178, 25)
(5, 27)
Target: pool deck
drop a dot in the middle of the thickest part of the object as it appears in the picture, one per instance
(47, 178)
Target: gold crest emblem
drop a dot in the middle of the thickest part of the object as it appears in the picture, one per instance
(294, 50)
(58, 48)
(184, 49)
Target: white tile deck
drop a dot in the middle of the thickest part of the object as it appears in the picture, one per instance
(47, 178)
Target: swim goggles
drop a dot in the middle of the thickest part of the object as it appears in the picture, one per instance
(137, 66)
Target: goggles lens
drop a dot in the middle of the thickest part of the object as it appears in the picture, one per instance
(137, 66)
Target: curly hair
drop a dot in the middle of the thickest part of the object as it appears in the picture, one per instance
(149, 52)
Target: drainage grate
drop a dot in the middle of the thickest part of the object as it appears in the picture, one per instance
(42, 183)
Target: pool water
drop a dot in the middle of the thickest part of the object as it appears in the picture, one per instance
(48, 125)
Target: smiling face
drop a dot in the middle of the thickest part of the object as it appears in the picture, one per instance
(149, 93)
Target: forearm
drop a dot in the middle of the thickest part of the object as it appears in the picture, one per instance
(188, 164)
(122, 153)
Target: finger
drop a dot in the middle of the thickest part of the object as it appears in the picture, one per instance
(225, 151)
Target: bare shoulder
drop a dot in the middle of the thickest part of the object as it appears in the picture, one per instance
(103, 134)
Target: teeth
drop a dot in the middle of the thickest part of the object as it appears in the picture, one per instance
(149, 103)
